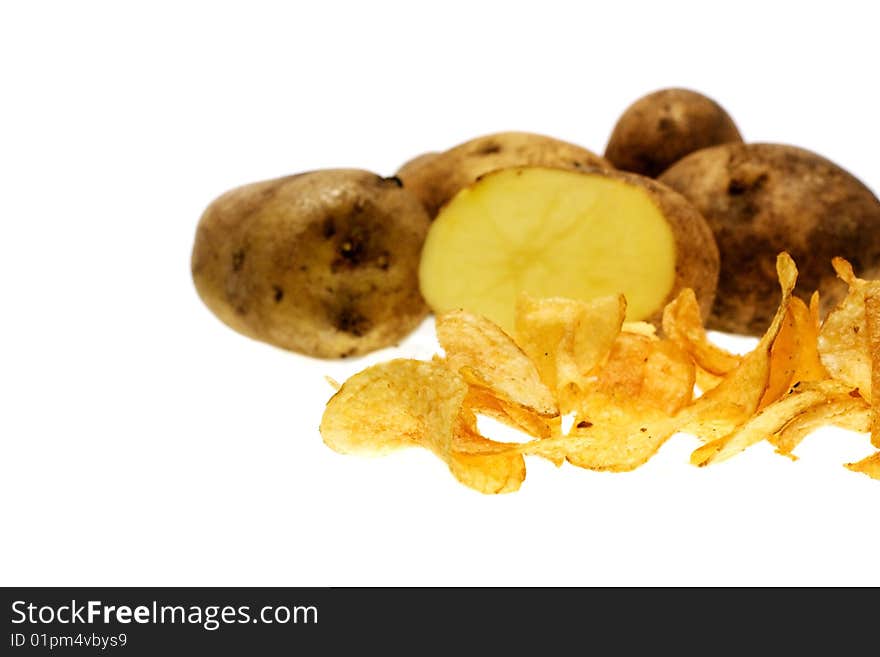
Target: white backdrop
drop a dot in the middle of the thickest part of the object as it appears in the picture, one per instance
(145, 443)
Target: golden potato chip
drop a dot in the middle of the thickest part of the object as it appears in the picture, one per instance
(736, 398)
(683, 325)
(493, 361)
(482, 401)
(395, 404)
(484, 465)
(843, 338)
(402, 403)
(646, 371)
(869, 466)
(768, 421)
(794, 356)
(872, 323)
(640, 328)
(622, 374)
(669, 377)
(566, 338)
(706, 380)
(615, 438)
(848, 411)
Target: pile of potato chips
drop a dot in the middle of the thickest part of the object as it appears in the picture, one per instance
(628, 389)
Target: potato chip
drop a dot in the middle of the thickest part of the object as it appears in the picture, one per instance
(567, 339)
(669, 376)
(646, 371)
(704, 380)
(869, 466)
(845, 411)
(683, 325)
(395, 404)
(484, 465)
(872, 323)
(768, 421)
(615, 438)
(403, 403)
(639, 328)
(736, 398)
(794, 356)
(493, 361)
(843, 338)
(484, 402)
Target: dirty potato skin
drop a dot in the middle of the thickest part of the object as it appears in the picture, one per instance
(437, 178)
(761, 199)
(324, 263)
(662, 127)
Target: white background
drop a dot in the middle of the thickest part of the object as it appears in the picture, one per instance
(145, 443)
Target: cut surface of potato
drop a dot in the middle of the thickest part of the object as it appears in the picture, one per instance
(554, 233)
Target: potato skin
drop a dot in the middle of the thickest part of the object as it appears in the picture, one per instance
(324, 263)
(414, 163)
(436, 179)
(697, 262)
(662, 127)
(761, 199)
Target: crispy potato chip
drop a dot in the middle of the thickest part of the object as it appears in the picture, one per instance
(639, 328)
(815, 314)
(403, 403)
(736, 398)
(794, 356)
(669, 377)
(845, 411)
(615, 438)
(683, 325)
(493, 361)
(567, 339)
(843, 338)
(706, 380)
(482, 401)
(395, 404)
(643, 370)
(869, 466)
(490, 474)
(872, 323)
(482, 464)
(769, 420)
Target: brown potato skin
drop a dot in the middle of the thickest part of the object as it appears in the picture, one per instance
(414, 163)
(324, 263)
(760, 199)
(435, 180)
(697, 262)
(662, 127)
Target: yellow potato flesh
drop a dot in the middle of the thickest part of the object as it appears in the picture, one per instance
(549, 233)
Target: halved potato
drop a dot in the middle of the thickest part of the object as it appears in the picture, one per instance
(556, 233)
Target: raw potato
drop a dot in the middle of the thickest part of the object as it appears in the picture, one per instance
(659, 129)
(555, 233)
(436, 179)
(761, 199)
(324, 263)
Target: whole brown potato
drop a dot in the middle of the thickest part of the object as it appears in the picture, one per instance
(760, 199)
(437, 178)
(324, 263)
(659, 129)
